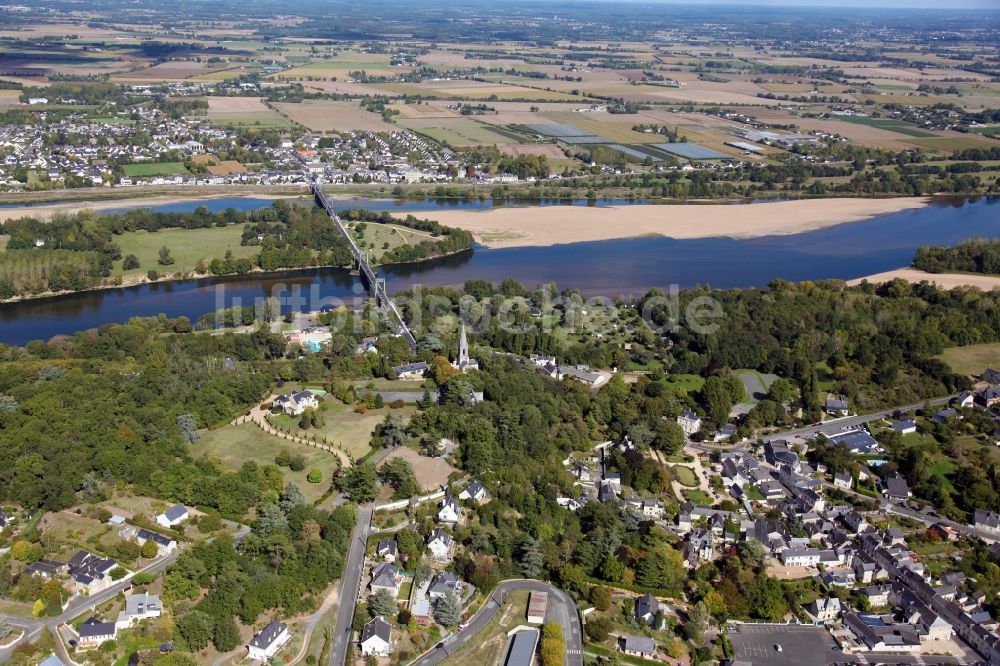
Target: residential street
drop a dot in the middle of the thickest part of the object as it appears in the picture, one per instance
(349, 586)
(561, 610)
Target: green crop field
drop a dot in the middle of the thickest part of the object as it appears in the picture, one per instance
(458, 131)
(890, 124)
(186, 246)
(952, 143)
(156, 169)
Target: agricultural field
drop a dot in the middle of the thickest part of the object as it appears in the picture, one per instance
(235, 445)
(341, 66)
(245, 112)
(948, 144)
(330, 116)
(474, 90)
(175, 70)
(186, 247)
(898, 126)
(458, 131)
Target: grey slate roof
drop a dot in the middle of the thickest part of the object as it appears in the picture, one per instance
(268, 635)
(638, 644)
(377, 627)
(176, 512)
(94, 627)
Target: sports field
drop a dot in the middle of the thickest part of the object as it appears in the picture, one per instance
(147, 169)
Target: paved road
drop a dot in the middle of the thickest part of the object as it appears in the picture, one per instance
(561, 610)
(350, 584)
(838, 425)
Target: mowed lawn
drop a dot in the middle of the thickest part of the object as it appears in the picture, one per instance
(343, 426)
(147, 169)
(235, 445)
(186, 246)
(973, 359)
(684, 475)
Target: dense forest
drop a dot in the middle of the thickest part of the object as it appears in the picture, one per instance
(112, 403)
(974, 256)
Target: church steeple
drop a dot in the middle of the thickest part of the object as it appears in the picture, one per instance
(463, 348)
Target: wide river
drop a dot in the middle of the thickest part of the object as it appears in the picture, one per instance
(604, 268)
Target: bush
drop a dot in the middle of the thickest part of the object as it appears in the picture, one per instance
(210, 522)
(130, 262)
(314, 476)
(598, 629)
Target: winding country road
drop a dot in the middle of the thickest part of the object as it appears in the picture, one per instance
(561, 610)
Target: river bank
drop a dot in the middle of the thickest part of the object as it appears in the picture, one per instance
(524, 227)
(943, 280)
(45, 211)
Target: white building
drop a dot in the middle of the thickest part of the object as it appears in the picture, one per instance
(689, 422)
(475, 491)
(450, 511)
(296, 403)
(441, 544)
(376, 638)
(94, 632)
(175, 515)
(138, 607)
(463, 362)
(266, 644)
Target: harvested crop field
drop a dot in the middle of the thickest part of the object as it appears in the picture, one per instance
(344, 88)
(328, 116)
(244, 112)
(176, 70)
(236, 105)
(373, 64)
(863, 134)
(472, 90)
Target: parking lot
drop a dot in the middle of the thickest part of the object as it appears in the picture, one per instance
(800, 645)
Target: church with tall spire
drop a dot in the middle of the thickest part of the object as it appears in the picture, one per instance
(462, 361)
